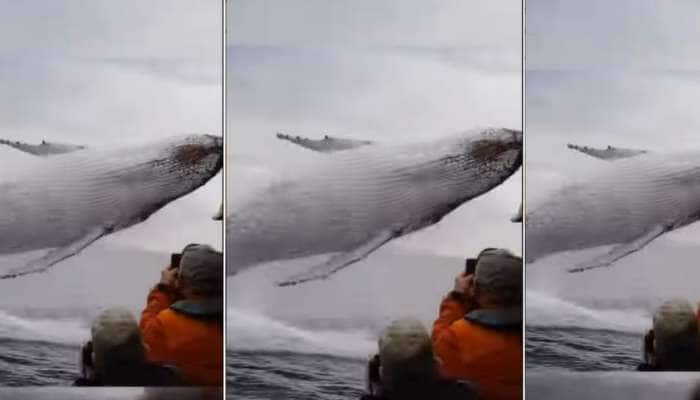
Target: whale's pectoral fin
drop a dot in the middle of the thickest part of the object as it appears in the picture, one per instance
(21, 146)
(622, 250)
(328, 144)
(55, 256)
(219, 216)
(610, 153)
(518, 217)
(44, 149)
(299, 140)
(340, 261)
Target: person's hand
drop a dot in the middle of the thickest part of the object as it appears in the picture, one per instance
(463, 290)
(168, 276)
(463, 282)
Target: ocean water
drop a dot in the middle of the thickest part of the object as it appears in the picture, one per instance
(582, 335)
(36, 363)
(45, 318)
(312, 359)
(41, 347)
(569, 336)
(566, 336)
(313, 341)
(596, 320)
(581, 349)
(257, 375)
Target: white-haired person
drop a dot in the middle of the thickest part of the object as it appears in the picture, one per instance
(406, 367)
(116, 355)
(673, 344)
(478, 333)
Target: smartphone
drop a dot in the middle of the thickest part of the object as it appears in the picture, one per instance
(470, 266)
(175, 260)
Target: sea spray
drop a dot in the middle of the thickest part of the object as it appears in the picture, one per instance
(59, 331)
(248, 330)
(544, 310)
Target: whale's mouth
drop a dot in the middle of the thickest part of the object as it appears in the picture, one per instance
(191, 154)
(517, 135)
(487, 151)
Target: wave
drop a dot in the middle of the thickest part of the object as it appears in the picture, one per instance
(60, 331)
(545, 310)
(251, 331)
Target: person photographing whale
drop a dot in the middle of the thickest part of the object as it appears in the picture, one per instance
(478, 333)
(182, 323)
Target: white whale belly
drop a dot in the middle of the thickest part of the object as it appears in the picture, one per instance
(625, 200)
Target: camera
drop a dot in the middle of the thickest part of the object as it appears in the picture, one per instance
(470, 265)
(175, 260)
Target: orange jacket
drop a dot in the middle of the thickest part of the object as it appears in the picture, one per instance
(487, 356)
(193, 345)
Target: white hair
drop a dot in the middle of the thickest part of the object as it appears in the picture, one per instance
(405, 352)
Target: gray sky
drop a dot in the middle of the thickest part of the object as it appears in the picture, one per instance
(389, 71)
(105, 73)
(624, 73)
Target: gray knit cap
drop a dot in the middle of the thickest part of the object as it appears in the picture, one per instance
(498, 271)
(202, 267)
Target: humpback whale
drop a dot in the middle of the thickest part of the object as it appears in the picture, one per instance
(358, 200)
(66, 202)
(627, 203)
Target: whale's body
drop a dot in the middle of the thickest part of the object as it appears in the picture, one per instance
(67, 201)
(629, 203)
(359, 199)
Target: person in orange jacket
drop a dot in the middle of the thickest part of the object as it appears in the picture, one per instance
(483, 344)
(182, 324)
